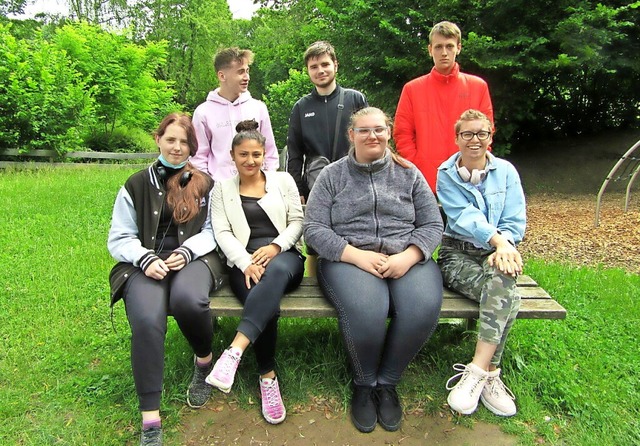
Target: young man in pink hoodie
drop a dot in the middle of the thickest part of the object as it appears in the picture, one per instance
(216, 118)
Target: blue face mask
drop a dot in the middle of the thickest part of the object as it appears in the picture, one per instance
(166, 163)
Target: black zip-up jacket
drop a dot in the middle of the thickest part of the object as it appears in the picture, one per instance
(312, 127)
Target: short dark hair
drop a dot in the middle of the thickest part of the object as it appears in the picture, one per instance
(319, 48)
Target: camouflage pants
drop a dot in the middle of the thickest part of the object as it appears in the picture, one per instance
(468, 272)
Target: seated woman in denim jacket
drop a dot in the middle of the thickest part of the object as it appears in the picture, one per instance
(483, 200)
(375, 223)
(257, 219)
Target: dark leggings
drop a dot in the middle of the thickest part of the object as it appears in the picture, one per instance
(148, 302)
(379, 354)
(262, 303)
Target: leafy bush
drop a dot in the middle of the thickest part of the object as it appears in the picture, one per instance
(122, 139)
(119, 75)
(44, 103)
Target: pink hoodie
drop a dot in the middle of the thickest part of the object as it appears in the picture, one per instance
(215, 123)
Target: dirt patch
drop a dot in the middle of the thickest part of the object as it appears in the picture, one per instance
(221, 422)
(562, 227)
(562, 180)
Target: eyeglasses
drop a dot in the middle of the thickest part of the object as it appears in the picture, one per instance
(468, 136)
(366, 131)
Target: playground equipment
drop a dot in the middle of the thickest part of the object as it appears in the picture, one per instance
(627, 168)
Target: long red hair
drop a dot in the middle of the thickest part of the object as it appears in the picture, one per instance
(185, 200)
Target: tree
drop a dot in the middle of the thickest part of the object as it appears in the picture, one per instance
(12, 6)
(554, 68)
(194, 30)
(100, 12)
(119, 75)
(280, 98)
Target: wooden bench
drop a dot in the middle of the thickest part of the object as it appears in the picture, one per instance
(307, 301)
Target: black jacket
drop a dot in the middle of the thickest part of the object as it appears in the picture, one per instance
(143, 195)
(312, 129)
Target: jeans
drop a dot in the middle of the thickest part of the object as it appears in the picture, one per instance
(378, 353)
(261, 303)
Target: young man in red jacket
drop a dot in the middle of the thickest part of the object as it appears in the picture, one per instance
(430, 105)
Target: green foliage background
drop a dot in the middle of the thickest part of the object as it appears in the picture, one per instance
(555, 68)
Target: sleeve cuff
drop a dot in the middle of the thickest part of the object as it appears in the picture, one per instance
(147, 259)
(186, 253)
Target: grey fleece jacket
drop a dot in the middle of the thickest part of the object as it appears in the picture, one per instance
(381, 207)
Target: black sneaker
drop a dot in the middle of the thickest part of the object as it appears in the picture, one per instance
(389, 408)
(151, 437)
(363, 408)
(199, 391)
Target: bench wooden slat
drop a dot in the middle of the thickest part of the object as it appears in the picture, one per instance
(307, 301)
(458, 307)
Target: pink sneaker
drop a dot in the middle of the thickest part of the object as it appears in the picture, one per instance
(224, 371)
(272, 406)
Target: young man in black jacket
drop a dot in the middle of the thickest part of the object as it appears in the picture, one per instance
(318, 122)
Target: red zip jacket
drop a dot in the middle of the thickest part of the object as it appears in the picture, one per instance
(428, 109)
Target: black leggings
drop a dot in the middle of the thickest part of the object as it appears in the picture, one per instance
(262, 303)
(183, 294)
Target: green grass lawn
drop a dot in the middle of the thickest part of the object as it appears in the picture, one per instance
(65, 376)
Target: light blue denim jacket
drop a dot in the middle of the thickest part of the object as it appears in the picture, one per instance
(478, 213)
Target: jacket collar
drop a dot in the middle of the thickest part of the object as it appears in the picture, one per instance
(444, 78)
(373, 167)
(319, 97)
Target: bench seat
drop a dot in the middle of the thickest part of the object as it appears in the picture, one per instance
(307, 301)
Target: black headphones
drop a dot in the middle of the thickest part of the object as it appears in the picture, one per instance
(184, 178)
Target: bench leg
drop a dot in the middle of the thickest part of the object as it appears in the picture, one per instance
(472, 324)
(214, 322)
(311, 265)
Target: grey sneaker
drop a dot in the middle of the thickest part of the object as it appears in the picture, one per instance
(151, 437)
(199, 391)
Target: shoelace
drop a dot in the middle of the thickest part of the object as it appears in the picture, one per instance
(496, 386)
(463, 375)
(231, 365)
(272, 394)
(152, 435)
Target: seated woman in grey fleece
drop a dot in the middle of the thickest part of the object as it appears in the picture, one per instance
(375, 223)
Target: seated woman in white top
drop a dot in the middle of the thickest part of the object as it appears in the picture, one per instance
(257, 219)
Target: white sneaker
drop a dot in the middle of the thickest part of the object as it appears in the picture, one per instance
(464, 396)
(497, 397)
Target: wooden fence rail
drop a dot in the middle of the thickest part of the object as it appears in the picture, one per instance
(25, 159)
